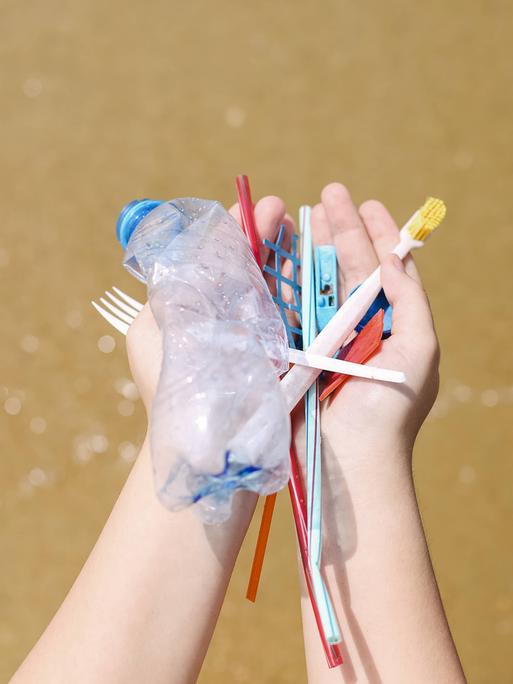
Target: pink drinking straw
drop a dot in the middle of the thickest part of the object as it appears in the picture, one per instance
(296, 489)
(298, 501)
(248, 216)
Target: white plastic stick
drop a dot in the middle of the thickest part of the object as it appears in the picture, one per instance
(309, 360)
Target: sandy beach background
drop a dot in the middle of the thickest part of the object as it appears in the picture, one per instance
(102, 102)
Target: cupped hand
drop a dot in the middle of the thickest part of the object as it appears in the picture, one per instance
(383, 415)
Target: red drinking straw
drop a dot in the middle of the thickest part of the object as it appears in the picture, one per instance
(249, 228)
(248, 216)
(296, 490)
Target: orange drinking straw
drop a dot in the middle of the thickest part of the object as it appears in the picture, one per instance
(258, 557)
(296, 490)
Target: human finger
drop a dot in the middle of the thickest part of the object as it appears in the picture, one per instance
(355, 254)
(383, 232)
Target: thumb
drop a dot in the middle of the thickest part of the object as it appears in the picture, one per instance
(411, 312)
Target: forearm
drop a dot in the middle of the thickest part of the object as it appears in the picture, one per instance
(147, 600)
(379, 575)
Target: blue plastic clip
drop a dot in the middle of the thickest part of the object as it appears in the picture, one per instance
(326, 295)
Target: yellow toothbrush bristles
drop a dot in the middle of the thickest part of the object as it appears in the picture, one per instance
(428, 217)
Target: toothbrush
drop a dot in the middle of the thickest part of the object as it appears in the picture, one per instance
(313, 439)
(412, 236)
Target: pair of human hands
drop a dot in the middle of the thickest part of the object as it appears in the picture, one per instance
(376, 413)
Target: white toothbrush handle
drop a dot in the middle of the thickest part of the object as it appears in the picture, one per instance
(329, 340)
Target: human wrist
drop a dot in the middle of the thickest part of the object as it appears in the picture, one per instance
(231, 531)
(369, 470)
(363, 486)
(367, 448)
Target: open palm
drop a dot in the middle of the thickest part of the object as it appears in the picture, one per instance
(363, 239)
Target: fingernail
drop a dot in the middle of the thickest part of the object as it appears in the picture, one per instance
(398, 264)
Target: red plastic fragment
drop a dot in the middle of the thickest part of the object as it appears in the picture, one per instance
(360, 350)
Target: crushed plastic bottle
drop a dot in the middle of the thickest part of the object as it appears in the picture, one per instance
(219, 421)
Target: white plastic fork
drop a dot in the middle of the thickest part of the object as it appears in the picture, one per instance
(122, 309)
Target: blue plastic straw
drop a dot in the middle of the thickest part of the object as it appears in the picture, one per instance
(313, 438)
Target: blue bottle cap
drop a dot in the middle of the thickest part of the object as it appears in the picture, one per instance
(130, 217)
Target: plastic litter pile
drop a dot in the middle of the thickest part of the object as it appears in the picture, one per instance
(220, 419)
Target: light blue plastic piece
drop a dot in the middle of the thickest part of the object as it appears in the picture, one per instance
(313, 439)
(326, 291)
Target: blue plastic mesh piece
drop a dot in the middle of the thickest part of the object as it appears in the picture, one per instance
(280, 257)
